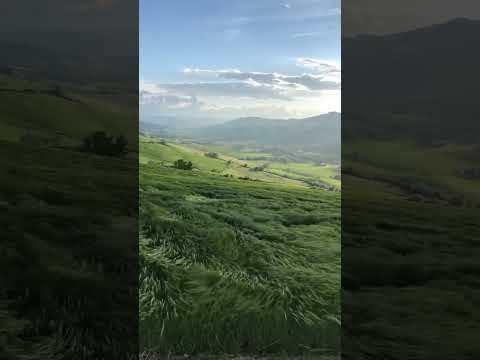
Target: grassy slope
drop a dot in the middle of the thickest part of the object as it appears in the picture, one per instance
(43, 113)
(293, 170)
(62, 240)
(294, 174)
(231, 265)
(68, 221)
(435, 167)
(409, 280)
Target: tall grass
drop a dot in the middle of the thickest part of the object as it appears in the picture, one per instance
(226, 267)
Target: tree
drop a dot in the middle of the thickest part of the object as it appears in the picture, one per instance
(120, 146)
(212, 155)
(102, 144)
(183, 165)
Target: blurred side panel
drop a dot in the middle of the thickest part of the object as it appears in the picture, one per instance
(69, 179)
(410, 172)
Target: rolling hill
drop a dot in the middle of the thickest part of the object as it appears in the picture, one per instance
(71, 113)
(438, 99)
(314, 130)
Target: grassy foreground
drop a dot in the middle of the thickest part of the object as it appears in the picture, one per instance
(409, 261)
(230, 265)
(68, 249)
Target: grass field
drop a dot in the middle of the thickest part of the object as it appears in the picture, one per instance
(230, 265)
(409, 264)
(73, 113)
(232, 163)
(69, 227)
(68, 223)
(431, 172)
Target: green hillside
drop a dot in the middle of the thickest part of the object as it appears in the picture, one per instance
(68, 221)
(68, 111)
(408, 246)
(230, 265)
(232, 163)
(447, 174)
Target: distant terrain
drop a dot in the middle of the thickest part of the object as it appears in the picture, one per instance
(316, 138)
(231, 161)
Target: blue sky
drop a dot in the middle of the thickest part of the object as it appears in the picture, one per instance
(231, 58)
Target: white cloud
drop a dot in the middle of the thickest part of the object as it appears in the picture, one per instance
(168, 100)
(231, 92)
(247, 89)
(150, 93)
(323, 66)
(330, 71)
(279, 83)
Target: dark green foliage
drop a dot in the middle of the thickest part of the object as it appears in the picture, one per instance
(101, 144)
(259, 168)
(182, 164)
(212, 155)
(62, 255)
(226, 269)
(471, 173)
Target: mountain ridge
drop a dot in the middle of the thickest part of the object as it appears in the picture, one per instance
(423, 75)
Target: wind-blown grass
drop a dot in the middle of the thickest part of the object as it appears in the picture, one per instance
(236, 266)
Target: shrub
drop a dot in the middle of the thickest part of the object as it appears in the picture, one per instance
(183, 165)
(101, 144)
(212, 155)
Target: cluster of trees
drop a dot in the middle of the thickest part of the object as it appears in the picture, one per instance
(101, 144)
(212, 155)
(183, 165)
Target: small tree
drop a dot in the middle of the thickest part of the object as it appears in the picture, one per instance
(120, 146)
(183, 165)
(212, 155)
(102, 144)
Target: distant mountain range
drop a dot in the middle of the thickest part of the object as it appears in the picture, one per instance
(323, 129)
(420, 79)
(174, 124)
(319, 134)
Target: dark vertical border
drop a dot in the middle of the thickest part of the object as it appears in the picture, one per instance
(69, 179)
(410, 177)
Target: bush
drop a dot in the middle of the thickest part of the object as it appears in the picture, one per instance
(212, 155)
(183, 165)
(101, 144)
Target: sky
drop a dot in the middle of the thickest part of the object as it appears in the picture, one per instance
(229, 59)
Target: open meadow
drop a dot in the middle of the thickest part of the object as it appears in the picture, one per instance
(404, 247)
(235, 261)
(69, 224)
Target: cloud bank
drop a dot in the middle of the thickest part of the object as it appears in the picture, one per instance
(232, 92)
